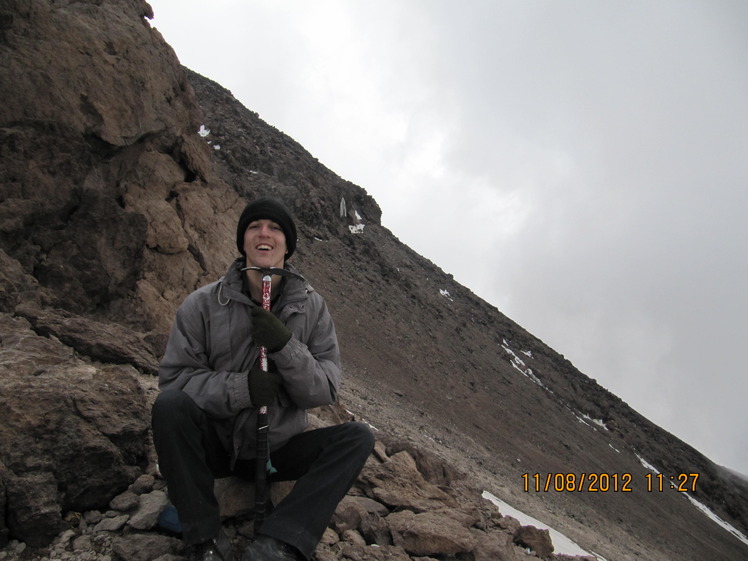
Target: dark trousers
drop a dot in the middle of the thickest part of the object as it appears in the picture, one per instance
(324, 463)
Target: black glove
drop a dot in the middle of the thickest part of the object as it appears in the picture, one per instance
(264, 386)
(268, 331)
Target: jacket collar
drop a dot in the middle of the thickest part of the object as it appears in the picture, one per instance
(292, 288)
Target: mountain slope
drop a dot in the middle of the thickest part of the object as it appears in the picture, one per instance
(460, 377)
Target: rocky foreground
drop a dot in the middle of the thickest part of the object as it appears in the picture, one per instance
(406, 505)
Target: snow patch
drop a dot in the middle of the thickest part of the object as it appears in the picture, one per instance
(647, 465)
(599, 422)
(520, 365)
(561, 544)
(705, 510)
(702, 507)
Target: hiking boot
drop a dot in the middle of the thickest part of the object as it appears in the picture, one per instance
(217, 549)
(265, 548)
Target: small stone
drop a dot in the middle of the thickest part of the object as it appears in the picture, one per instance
(82, 543)
(92, 516)
(112, 524)
(125, 502)
(352, 536)
(143, 484)
(150, 507)
(330, 537)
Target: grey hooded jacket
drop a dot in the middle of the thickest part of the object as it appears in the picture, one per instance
(210, 352)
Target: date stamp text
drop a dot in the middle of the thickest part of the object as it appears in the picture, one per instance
(606, 482)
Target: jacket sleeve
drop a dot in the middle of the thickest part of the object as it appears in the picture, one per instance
(311, 369)
(186, 366)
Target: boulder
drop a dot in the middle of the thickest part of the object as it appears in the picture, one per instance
(537, 539)
(146, 547)
(150, 506)
(429, 533)
(102, 341)
(398, 483)
(73, 433)
(494, 546)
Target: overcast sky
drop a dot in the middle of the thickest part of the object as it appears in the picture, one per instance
(581, 165)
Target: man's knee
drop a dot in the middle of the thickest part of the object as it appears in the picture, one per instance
(362, 435)
(170, 407)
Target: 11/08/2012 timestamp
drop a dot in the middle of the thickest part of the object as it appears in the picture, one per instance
(605, 482)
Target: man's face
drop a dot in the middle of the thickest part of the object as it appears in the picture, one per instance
(265, 244)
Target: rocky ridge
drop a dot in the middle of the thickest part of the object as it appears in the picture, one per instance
(405, 505)
(113, 208)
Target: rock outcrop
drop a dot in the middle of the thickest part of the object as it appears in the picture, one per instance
(73, 432)
(97, 135)
(393, 512)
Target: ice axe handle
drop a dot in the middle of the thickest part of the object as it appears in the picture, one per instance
(263, 451)
(266, 289)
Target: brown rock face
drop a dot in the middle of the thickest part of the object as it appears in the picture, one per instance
(99, 157)
(95, 111)
(73, 433)
(94, 68)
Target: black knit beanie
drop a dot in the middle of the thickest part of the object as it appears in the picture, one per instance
(269, 209)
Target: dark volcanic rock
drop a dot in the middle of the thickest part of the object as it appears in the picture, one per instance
(73, 433)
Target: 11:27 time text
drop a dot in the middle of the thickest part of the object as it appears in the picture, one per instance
(605, 482)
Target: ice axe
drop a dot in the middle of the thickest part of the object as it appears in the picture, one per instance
(263, 427)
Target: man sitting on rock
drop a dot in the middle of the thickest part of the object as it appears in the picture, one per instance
(205, 417)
